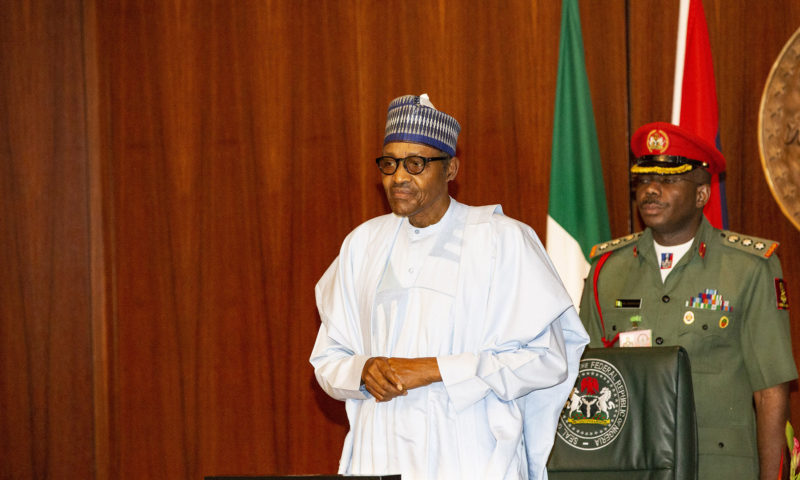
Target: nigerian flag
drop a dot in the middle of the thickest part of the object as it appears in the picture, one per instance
(577, 217)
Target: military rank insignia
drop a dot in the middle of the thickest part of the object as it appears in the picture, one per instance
(780, 294)
(711, 300)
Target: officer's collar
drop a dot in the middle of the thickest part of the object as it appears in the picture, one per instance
(645, 247)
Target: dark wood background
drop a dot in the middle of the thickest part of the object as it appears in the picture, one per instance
(176, 175)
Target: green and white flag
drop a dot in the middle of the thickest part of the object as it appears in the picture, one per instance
(577, 217)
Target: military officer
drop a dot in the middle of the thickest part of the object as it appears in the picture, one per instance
(718, 294)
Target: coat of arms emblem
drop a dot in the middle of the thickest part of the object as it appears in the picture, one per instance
(597, 407)
(657, 141)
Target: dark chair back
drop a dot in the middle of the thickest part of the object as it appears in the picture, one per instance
(630, 416)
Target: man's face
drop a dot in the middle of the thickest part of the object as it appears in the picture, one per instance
(672, 205)
(423, 198)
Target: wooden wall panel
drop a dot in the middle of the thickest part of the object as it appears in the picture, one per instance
(230, 152)
(46, 408)
(605, 44)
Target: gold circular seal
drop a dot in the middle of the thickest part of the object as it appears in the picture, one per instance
(779, 129)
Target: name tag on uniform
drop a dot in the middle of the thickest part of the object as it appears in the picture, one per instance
(628, 303)
(636, 338)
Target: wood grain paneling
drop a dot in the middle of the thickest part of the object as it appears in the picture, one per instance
(176, 176)
(605, 46)
(46, 402)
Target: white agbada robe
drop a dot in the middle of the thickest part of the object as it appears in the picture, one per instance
(477, 291)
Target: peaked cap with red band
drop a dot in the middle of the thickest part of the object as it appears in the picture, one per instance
(662, 148)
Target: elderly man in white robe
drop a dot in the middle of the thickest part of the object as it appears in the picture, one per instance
(445, 328)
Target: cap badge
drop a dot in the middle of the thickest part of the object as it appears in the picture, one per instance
(657, 141)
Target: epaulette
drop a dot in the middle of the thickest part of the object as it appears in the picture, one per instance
(760, 247)
(612, 245)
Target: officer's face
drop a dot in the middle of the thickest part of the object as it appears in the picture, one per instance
(423, 198)
(672, 205)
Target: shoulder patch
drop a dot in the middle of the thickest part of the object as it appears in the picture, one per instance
(760, 247)
(612, 245)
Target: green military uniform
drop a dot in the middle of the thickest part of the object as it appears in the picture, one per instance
(725, 303)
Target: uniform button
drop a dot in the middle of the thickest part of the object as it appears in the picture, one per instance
(416, 231)
(705, 327)
(665, 299)
(614, 328)
(721, 445)
(659, 341)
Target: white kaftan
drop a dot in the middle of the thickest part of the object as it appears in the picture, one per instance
(477, 291)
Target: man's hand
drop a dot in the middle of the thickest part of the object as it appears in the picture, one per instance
(416, 372)
(380, 380)
(387, 378)
(772, 411)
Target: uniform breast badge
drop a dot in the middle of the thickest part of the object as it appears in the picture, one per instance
(628, 303)
(636, 337)
(709, 299)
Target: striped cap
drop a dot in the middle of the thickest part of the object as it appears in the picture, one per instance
(413, 118)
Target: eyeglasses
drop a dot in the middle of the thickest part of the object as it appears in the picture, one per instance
(413, 164)
(642, 180)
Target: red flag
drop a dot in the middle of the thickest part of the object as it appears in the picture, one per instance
(694, 101)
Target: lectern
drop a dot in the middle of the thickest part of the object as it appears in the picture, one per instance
(630, 415)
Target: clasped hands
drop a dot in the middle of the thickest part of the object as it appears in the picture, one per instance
(386, 378)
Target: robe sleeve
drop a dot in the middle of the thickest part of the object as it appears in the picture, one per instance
(541, 408)
(521, 345)
(337, 368)
(338, 357)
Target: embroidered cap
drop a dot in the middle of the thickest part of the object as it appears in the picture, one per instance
(413, 118)
(666, 149)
